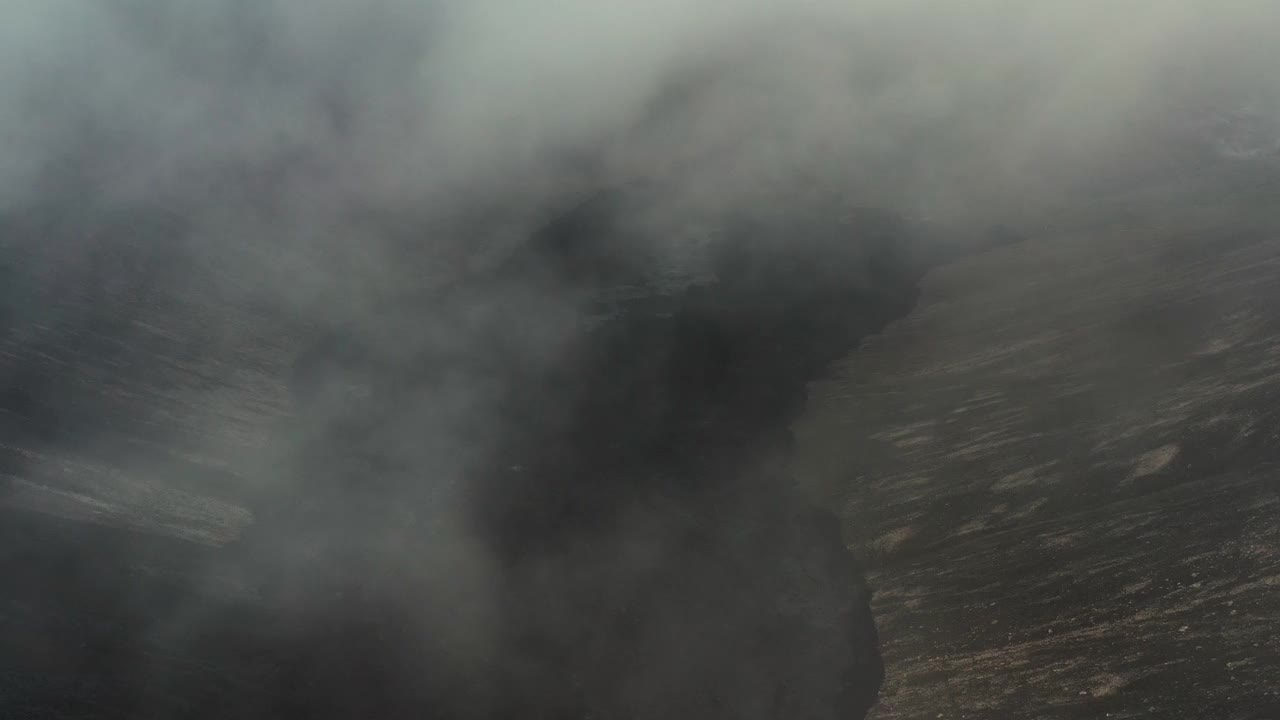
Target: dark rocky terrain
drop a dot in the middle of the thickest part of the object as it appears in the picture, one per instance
(1056, 463)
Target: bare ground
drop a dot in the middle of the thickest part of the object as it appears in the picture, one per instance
(1063, 467)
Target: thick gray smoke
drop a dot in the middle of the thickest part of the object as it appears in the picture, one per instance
(321, 163)
(331, 111)
(327, 156)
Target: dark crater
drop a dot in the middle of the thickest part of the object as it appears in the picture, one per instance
(609, 430)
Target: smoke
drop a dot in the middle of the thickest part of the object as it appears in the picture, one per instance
(333, 111)
(293, 174)
(327, 157)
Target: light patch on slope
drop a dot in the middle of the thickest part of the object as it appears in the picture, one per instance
(1154, 461)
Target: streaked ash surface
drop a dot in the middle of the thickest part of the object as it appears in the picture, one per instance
(1062, 465)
